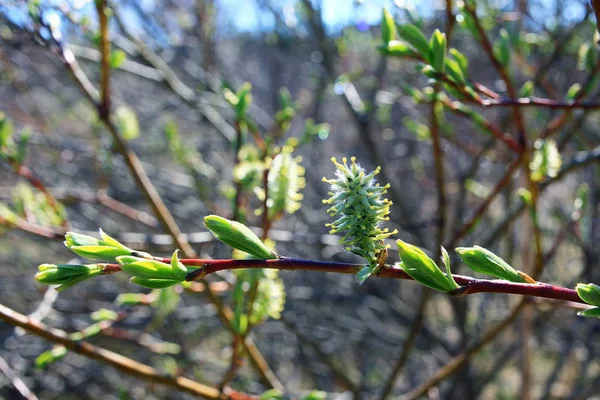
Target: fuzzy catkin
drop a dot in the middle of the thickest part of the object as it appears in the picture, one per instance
(357, 202)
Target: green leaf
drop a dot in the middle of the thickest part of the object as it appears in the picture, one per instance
(590, 293)
(546, 161)
(364, 273)
(484, 261)
(461, 60)
(502, 48)
(117, 58)
(127, 122)
(149, 269)
(396, 48)
(130, 299)
(244, 99)
(527, 89)
(446, 261)
(454, 71)
(154, 283)
(272, 394)
(592, 312)
(437, 50)
(238, 236)
(48, 357)
(573, 91)
(413, 35)
(106, 248)
(588, 57)
(388, 27)
(315, 395)
(422, 268)
(6, 132)
(178, 268)
(98, 252)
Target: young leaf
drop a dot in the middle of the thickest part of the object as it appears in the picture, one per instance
(592, 312)
(396, 48)
(461, 60)
(154, 283)
(364, 273)
(48, 357)
(238, 236)
(117, 58)
(413, 35)
(590, 293)
(149, 269)
(127, 122)
(446, 261)
(422, 268)
(388, 27)
(178, 268)
(573, 91)
(437, 50)
(502, 48)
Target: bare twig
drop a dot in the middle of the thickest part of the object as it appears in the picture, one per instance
(118, 361)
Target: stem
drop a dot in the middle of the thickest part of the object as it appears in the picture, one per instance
(469, 285)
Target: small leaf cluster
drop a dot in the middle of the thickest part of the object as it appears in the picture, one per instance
(12, 150)
(34, 206)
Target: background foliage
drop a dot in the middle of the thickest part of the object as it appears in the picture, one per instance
(180, 100)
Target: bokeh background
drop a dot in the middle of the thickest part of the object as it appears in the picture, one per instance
(334, 335)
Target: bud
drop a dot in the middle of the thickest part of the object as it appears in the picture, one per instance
(67, 275)
(106, 248)
(153, 274)
(238, 236)
(484, 261)
(423, 269)
(590, 293)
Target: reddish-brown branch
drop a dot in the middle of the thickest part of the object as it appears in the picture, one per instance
(469, 285)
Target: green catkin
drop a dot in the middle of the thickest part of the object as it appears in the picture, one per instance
(358, 203)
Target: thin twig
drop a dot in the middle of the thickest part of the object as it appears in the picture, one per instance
(131, 367)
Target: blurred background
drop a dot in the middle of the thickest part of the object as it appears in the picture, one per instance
(173, 62)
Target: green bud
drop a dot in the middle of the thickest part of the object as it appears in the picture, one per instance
(67, 275)
(48, 357)
(423, 269)
(150, 269)
(590, 293)
(484, 261)
(238, 236)
(92, 248)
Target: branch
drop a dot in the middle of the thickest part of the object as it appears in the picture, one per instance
(127, 365)
(468, 285)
